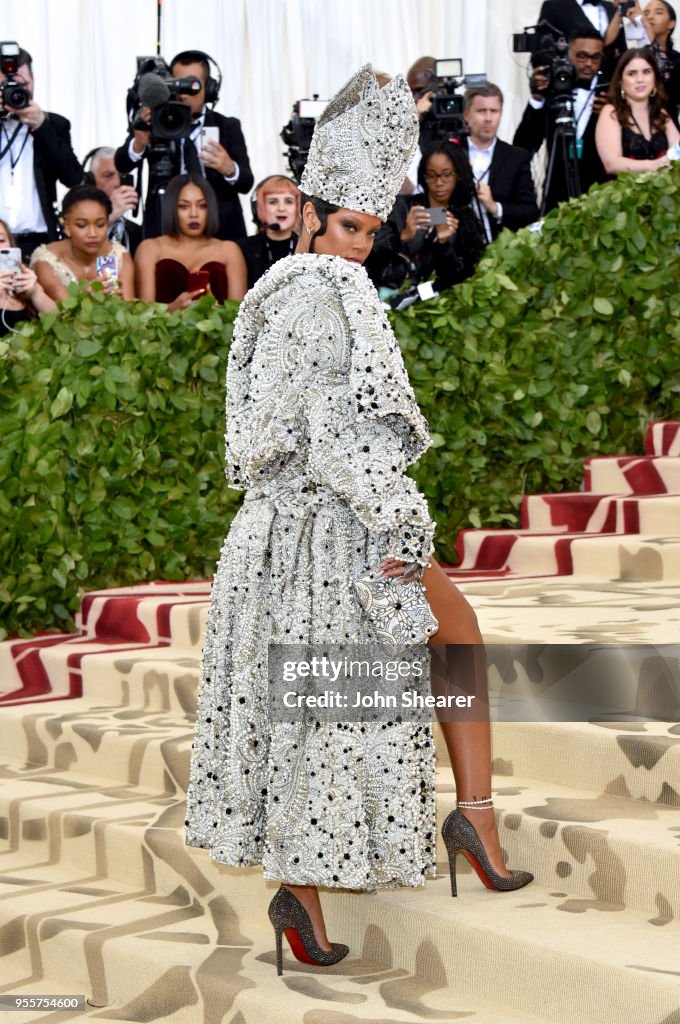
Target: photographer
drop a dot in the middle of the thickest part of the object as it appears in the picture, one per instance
(224, 163)
(124, 198)
(35, 153)
(538, 124)
(571, 16)
(502, 173)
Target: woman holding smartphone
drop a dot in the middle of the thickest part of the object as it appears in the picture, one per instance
(21, 295)
(85, 254)
(187, 261)
(436, 230)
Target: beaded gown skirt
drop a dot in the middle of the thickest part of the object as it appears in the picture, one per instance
(347, 805)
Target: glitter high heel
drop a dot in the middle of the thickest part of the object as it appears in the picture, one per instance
(460, 835)
(290, 918)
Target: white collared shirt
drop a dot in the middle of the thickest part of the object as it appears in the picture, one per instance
(195, 136)
(583, 107)
(19, 199)
(480, 161)
(597, 16)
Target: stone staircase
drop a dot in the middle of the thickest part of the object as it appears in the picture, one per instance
(99, 896)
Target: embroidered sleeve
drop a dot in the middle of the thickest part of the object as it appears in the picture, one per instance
(43, 254)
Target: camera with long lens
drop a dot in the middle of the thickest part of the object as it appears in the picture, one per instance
(445, 118)
(13, 94)
(155, 87)
(550, 52)
(297, 134)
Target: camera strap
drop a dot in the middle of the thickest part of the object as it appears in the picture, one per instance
(13, 161)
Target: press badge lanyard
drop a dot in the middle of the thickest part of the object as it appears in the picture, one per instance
(13, 161)
(586, 109)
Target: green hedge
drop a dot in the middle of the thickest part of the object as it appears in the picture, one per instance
(112, 414)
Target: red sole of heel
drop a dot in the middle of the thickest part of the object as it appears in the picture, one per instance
(297, 949)
(480, 871)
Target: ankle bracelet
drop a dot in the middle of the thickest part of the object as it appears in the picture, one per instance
(476, 805)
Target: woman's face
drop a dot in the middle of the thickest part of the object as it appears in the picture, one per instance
(86, 224)
(348, 233)
(638, 79)
(658, 21)
(281, 208)
(192, 211)
(440, 179)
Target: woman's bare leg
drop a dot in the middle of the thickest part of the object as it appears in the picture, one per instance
(468, 742)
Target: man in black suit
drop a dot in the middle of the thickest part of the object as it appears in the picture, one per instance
(124, 198)
(569, 16)
(224, 163)
(586, 53)
(35, 153)
(502, 173)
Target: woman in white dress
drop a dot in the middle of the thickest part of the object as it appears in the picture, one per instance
(321, 426)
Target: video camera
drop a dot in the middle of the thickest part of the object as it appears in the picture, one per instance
(155, 87)
(12, 93)
(549, 50)
(297, 134)
(445, 116)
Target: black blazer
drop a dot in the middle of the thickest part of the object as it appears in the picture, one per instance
(53, 161)
(538, 126)
(232, 225)
(567, 15)
(512, 185)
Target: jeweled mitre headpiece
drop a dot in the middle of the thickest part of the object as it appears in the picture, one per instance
(363, 144)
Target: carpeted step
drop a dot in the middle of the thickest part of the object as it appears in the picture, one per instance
(593, 556)
(663, 438)
(632, 474)
(592, 513)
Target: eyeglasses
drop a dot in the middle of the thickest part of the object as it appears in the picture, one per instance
(594, 58)
(432, 176)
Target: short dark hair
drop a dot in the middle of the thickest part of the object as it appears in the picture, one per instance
(585, 32)
(192, 57)
(85, 194)
(171, 198)
(488, 91)
(323, 210)
(25, 58)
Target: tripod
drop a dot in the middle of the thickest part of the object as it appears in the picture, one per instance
(564, 145)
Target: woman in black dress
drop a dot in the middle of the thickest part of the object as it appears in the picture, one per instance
(635, 131)
(276, 205)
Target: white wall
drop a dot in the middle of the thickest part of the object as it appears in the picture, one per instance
(271, 52)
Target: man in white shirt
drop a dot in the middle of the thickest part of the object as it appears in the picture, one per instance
(35, 153)
(586, 53)
(502, 173)
(224, 163)
(569, 16)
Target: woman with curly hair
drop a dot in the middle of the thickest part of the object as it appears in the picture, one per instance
(635, 131)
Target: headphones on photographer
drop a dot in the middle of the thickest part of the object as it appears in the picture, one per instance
(88, 176)
(254, 194)
(212, 85)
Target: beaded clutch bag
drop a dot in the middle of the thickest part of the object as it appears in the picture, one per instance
(399, 611)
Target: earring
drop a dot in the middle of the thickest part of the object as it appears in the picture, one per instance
(308, 229)
(653, 93)
(623, 93)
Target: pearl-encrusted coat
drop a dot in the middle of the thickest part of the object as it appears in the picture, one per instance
(321, 425)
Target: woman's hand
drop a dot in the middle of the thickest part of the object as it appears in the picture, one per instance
(448, 230)
(25, 282)
(393, 568)
(8, 281)
(185, 299)
(417, 219)
(662, 161)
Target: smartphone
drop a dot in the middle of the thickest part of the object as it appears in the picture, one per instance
(437, 214)
(209, 133)
(602, 89)
(10, 259)
(198, 280)
(127, 179)
(107, 268)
